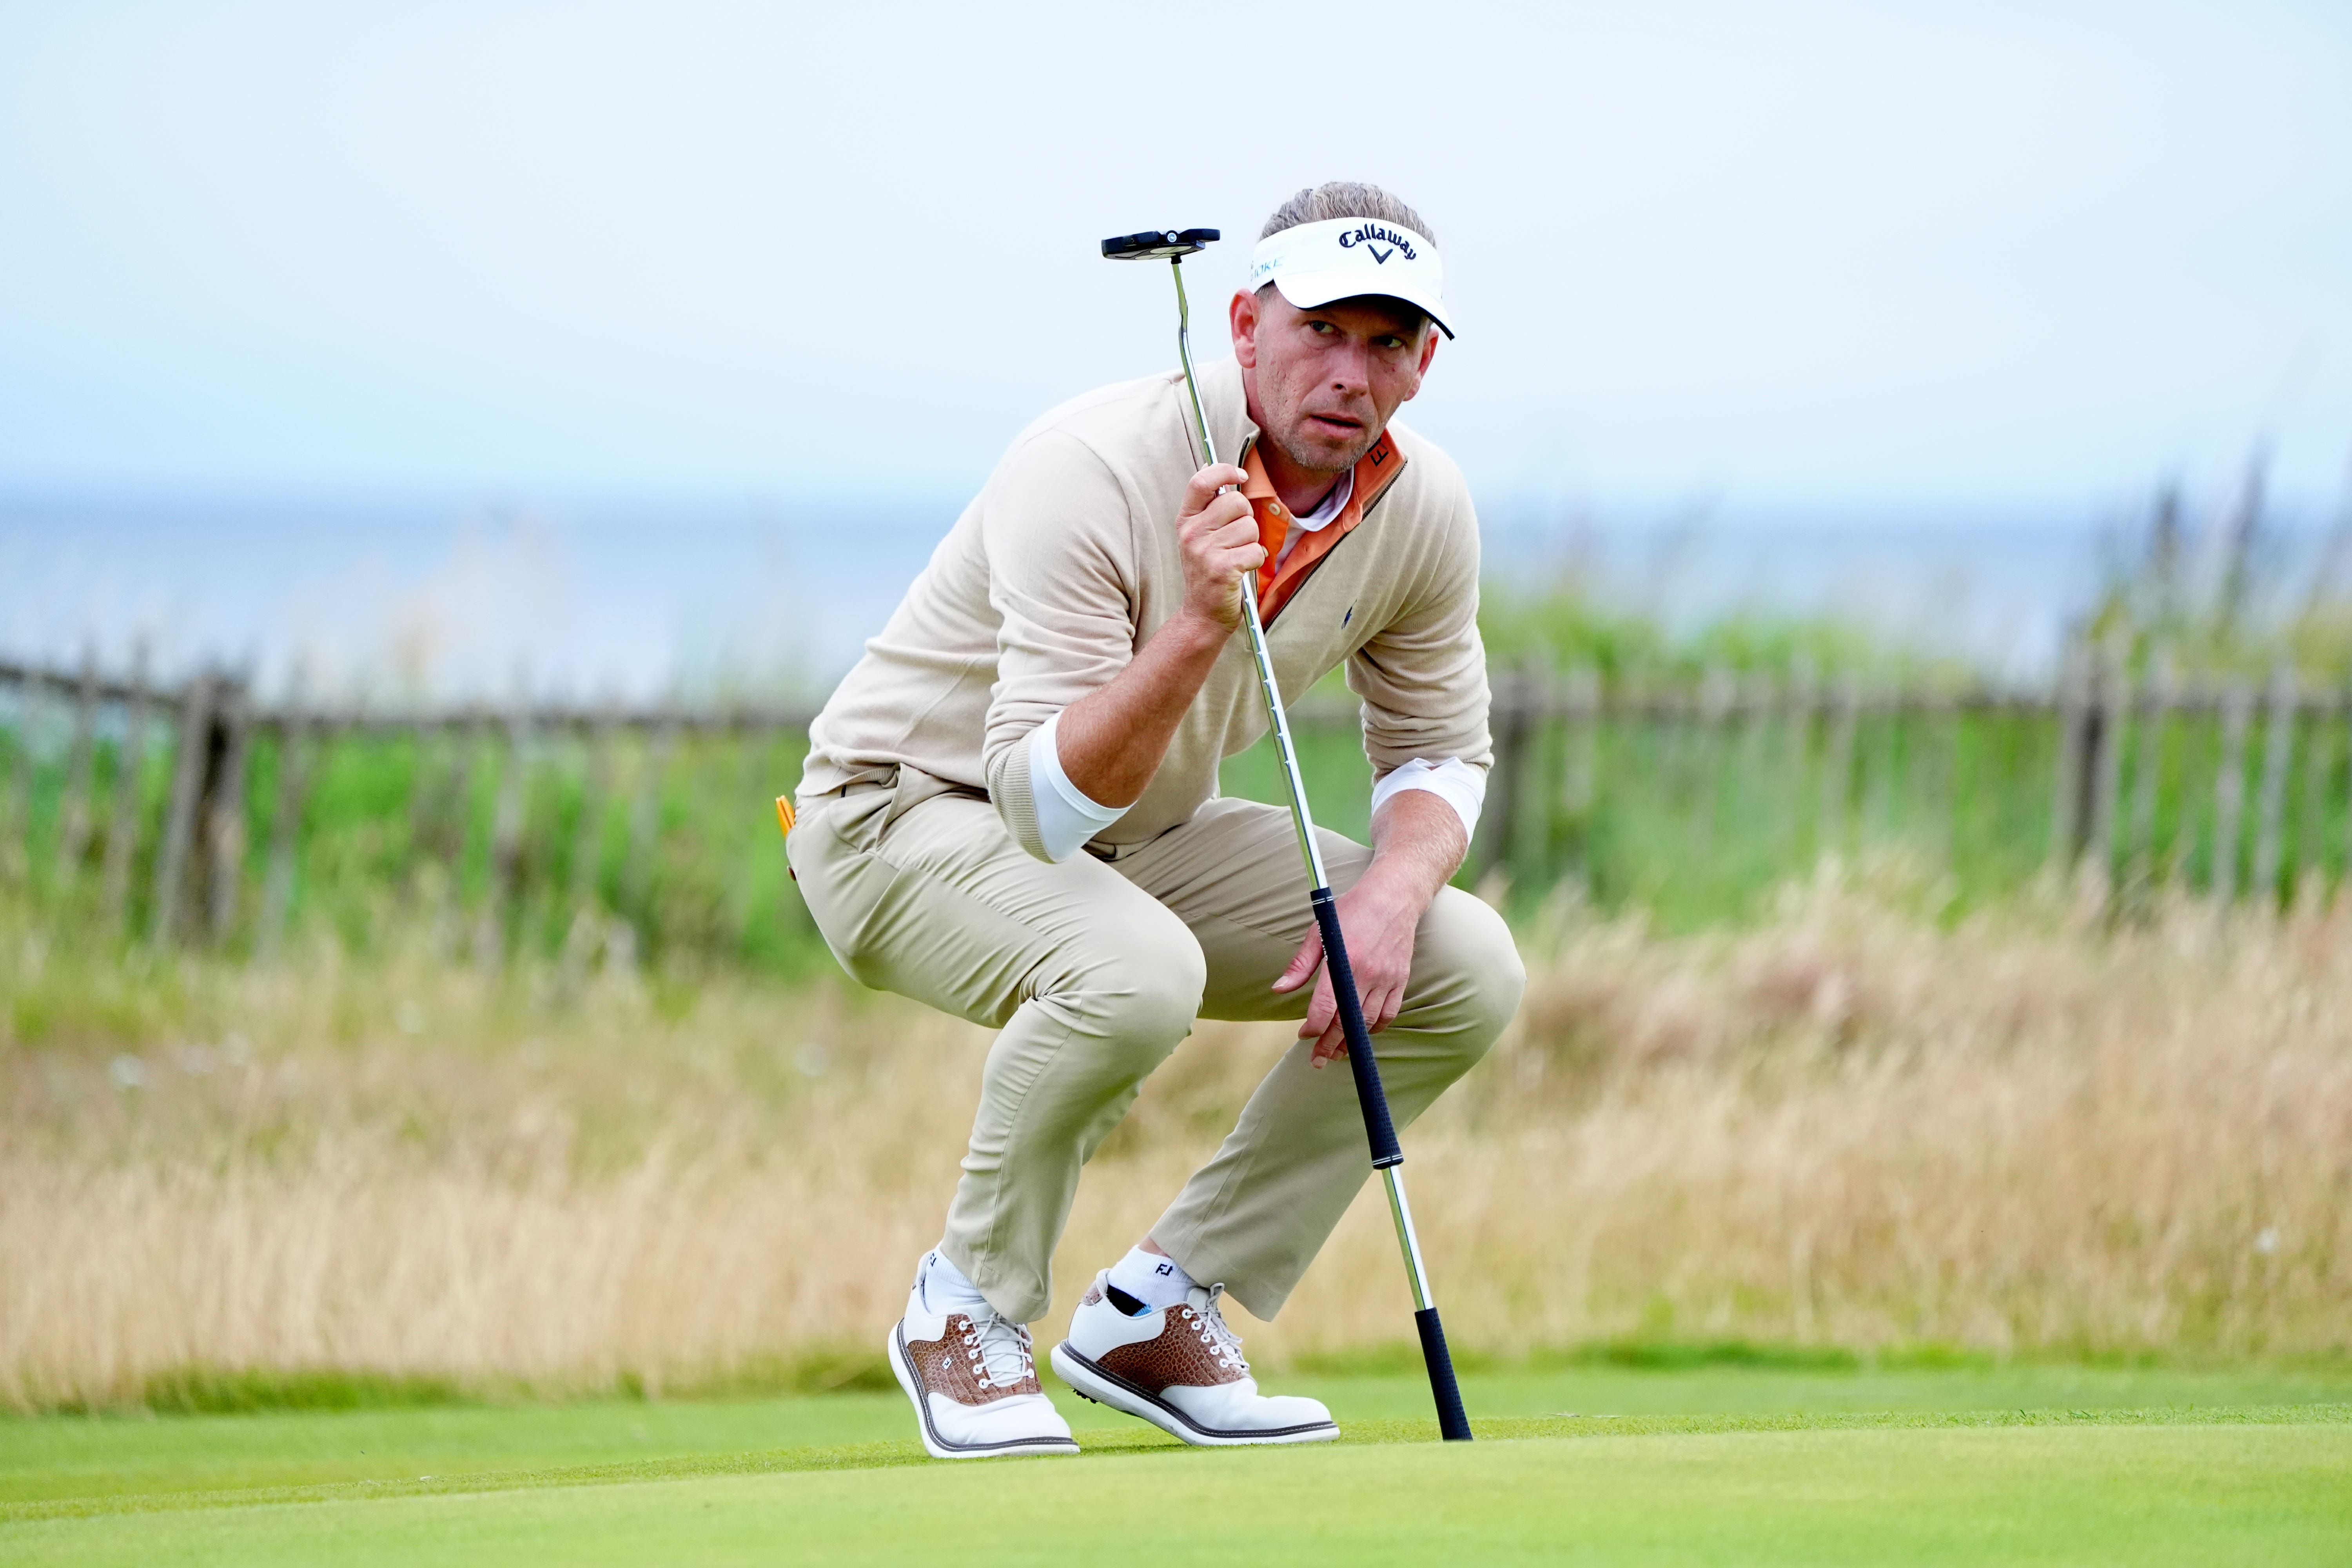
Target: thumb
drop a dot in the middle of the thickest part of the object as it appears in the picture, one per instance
(1304, 963)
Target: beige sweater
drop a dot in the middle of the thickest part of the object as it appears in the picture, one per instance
(1068, 562)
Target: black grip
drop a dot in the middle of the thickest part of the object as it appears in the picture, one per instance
(1379, 1130)
(1453, 1422)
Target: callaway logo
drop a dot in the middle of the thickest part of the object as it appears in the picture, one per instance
(1371, 234)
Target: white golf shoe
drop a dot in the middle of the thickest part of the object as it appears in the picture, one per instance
(973, 1379)
(1180, 1368)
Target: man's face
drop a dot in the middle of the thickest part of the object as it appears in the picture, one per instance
(1323, 383)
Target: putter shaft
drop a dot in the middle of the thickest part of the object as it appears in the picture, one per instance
(1380, 1129)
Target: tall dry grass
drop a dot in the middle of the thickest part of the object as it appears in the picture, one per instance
(1849, 1126)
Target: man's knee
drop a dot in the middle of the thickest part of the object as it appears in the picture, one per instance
(1159, 992)
(1467, 975)
(1142, 992)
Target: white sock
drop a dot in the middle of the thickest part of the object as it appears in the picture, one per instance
(1154, 1280)
(945, 1287)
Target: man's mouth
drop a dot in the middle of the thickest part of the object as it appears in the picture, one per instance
(1338, 425)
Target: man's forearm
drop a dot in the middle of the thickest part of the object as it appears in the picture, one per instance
(1418, 844)
(1110, 740)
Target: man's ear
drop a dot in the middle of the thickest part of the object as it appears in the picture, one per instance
(1428, 353)
(1245, 319)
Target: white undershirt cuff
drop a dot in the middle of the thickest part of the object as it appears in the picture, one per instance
(1065, 818)
(1451, 779)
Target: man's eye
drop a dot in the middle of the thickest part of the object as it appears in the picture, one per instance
(1321, 329)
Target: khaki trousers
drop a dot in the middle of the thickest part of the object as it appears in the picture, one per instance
(1093, 971)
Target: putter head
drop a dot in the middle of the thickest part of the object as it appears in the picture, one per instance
(1154, 243)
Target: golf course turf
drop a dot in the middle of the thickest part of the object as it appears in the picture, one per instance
(1593, 1463)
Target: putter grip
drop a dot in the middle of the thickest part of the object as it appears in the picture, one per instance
(1452, 1421)
(1378, 1127)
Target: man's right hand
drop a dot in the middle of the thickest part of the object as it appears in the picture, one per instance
(1218, 532)
(1110, 740)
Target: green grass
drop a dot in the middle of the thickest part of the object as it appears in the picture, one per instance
(1588, 1462)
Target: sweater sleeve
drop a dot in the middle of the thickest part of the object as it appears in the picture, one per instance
(1056, 529)
(1422, 677)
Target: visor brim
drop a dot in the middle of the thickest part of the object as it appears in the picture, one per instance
(1312, 291)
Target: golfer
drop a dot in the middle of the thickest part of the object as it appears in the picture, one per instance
(1010, 812)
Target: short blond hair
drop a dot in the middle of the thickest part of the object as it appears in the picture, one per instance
(1344, 199)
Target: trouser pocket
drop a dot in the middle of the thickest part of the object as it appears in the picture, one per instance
(842, 880)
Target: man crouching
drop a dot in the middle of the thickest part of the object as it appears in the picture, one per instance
(1010, 812)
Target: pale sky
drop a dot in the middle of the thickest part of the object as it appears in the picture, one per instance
(2034, 254)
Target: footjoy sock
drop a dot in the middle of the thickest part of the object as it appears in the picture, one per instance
(1154, 1280)
(946, 1288)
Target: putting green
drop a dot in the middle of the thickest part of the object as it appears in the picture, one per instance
(2155, 1494)
(1717, 1465)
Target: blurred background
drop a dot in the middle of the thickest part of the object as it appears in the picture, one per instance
(447, 451)
(623, 347)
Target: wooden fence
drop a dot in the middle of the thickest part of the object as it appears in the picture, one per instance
(196, 813)
(2123, 773)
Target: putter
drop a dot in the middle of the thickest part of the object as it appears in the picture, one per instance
(1388, 1157)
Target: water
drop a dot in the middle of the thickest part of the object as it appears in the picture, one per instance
(635, 599)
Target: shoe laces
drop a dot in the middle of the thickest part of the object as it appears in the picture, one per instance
(1207, 1320)
(1000, 1353)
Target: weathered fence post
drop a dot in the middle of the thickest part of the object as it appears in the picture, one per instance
(1508, 729)
(2229, 790)
(644, 824)
(1935, 768)
(17, 786)
(1579, 782)
(455, 829)
(73, 815)
(1837, 764)
(2278, 746)
(2148, 771)
(1792, 770)
(1579, 785)
(2108, 718)
(130, 771)
(1713, 707)
(1960, 770)
(1527, 846)
(506, 839)
(588, 836)
(1881, 758)
(2318, 768)
(2074, 731)
(294, 765)
(190, 759)
(754, 739)
(224, 823)
(1511, 728)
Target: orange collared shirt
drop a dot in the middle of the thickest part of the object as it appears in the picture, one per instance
(1372, 473)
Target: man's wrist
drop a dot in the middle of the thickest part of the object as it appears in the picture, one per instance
(1195, 631)
(1397, 885)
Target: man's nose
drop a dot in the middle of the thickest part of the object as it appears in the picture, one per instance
(1351, 370)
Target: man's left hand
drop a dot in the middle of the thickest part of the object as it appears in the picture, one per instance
(1418, 841)
(1378, 922)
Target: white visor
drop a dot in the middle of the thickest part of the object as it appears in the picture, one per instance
(1341, 258)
